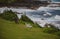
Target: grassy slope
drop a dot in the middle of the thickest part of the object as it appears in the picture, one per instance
(10, 30)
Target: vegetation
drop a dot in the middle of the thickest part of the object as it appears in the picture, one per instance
(52, 30)
(9, 15)
(36, 25)
(10, 30)
(26, 19)
(57, 33)
(7, 1)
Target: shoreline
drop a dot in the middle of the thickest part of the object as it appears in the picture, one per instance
(30, 6)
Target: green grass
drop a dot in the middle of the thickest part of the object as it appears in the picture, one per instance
(11, 30)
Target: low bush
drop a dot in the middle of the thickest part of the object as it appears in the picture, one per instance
(9, 15)
(58, 33)
(50, 30)
(26, 19)
(37, 25)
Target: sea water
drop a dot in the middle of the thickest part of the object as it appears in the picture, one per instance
(55, 0)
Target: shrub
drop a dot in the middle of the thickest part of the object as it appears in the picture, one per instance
(26, 19)
(9, 15)
(37, 25)
(50, 30)
(58, 33)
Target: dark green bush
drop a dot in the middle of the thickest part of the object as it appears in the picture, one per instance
(37, 25)
(58, 33)
(50, 30)
(8, 15)
(26, 19)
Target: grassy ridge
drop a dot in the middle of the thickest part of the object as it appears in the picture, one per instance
(11, 30)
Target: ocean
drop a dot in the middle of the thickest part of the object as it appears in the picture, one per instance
(55, 0)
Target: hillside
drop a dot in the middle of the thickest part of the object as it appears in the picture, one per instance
(11, 30)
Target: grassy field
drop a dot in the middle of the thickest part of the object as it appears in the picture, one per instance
(11, 30)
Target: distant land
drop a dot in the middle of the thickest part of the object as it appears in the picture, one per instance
(27, 3)
(23, 3)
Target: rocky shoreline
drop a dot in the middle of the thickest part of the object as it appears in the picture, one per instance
(28, 5)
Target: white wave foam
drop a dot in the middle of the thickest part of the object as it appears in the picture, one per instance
(19, 10)
(47, 14)
(57, 17)
(48, 8)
